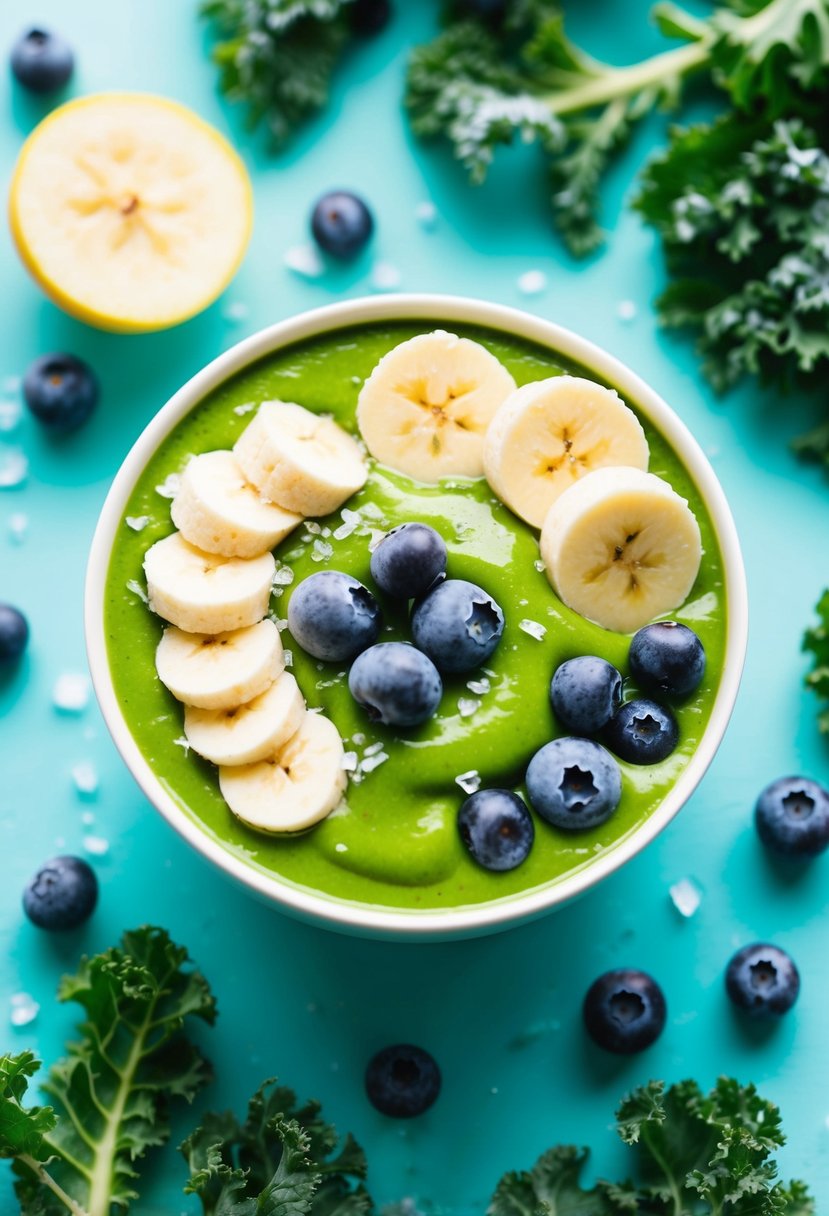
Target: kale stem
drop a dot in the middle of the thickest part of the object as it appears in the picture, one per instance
(47, 1180)
(623, 82)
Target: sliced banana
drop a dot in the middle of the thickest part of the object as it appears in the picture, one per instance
(247, 733)
(301, 461)
(296, 787)
(426, 406)
(218, 510)
(221, 670)
(203, 592)
(621, 547)
(550, 433)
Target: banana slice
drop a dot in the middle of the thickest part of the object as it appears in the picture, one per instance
(621, 547)
(426, 406)
(205, 593)
(218, 510)
(247, 733)
(293, 789)
(129, 210)
(300, 460)
(550, 433)
(222, 670)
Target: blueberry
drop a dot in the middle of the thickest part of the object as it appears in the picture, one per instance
(497, 828)
(792, 817)
(667, 658)
(395, 684)
(333, 616)
(61, 391)
(574, 783)
(14, 634)
(642, 732)
(762, 980)
(62, 895)
(624, 1011)
(369, 16)
(402, 1081)
(585, 693)
(42, 61)
(341, 224)
(408, 560)
(457, 624)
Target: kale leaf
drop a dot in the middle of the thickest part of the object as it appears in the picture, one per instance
(109, 1096)
(284, 1160)
(816, 641)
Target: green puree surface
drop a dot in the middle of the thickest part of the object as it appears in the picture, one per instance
(394, 841)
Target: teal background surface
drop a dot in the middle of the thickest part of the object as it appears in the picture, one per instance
(501, 1014)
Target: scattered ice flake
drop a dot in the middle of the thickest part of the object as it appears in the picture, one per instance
(385, 276)
(358, 380)
(479, 687)
(359, 739)
(467, 706)
(375, 536)
(373, 749)
(426, 214)
(534, 628)
(304, 260)
(137, 522)
(351, 521)
(349, 762)
(10, 414)
(321, 550)
(539, 565)
(288, 658)
(18, 527)
(532, 282)
(469, 782)
(370, 763)
(247, 408)
(96, 846)
(686, 896)
(280, 622)
(626, 310)
(235, 312)
(313, 527)
(85, 778)
(70, 694)
(23, 1009)
(135, 587)
(184, 743)
(370, 510)
(339, 847)
(14, 468)
(283, 576)
(169, 486)
(326, 532)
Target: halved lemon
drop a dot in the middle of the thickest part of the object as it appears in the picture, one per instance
(129, 210)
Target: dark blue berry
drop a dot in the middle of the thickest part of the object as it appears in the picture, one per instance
(14, 633)
(333, 616)
(624, 1011)
(341, 224)
(574, 783)
(408, 560)
(402, 1081)
(792, 817)
(496, 828)
(41, 61)
(369, 16)
(667, 658)
(642, 732)
(61, 391)
(62, 895)
(395, 684)
(585, 693)
(457, 624)
(762, 980)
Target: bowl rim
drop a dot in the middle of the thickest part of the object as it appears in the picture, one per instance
(335, 912)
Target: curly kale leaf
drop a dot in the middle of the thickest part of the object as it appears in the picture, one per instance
(771, 51)
(284, 1160)
(109, 1096)
(278, 57)
(745, 223)
(816, 642)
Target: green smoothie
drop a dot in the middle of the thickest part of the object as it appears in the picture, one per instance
(394, 842)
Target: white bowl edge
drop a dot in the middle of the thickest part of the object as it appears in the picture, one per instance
(362, 919)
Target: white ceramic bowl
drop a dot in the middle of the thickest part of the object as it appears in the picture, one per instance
(379, 921)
